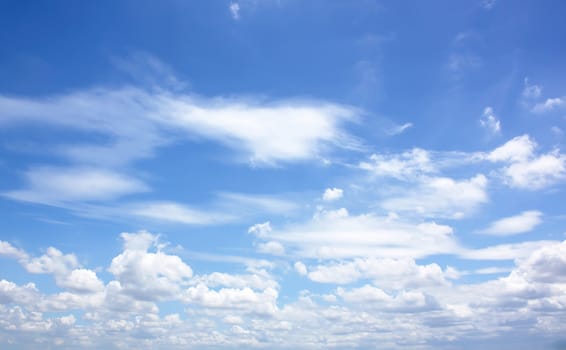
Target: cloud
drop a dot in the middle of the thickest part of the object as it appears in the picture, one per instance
(271, 247)
(175, 212)
(490, 122)
(524, 222)
(301, 268)
(488, 4)
(50, 185)
(373, 297)
(148, 275)
(531, 91)
(392, 273)
(548, 105)
(64, 267)
(138, 121)
(508, 251)
(235, 10)
(525, 169)
(399, 129)
(440, 197)
(332, 194)
(404, 166)
(336, 234)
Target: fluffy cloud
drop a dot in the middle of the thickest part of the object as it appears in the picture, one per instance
(147, 275)
(440, 197)
(401, 166)
(490, 121)
(512, 225)
(548, 105)
(332, 194)
(387, 273)
(526, 169)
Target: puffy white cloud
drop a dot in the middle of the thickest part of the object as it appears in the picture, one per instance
(260, 230)
(524, 222)
(518, 149)
(332, 194)
(401, 166)
(525, 169)
(146, 275)
(301, 268)
(386, 273)
(490, 121)
(263, 302)
(548, 105)
(271, 247)
(9, 251)
(440, 197)
(372, 297)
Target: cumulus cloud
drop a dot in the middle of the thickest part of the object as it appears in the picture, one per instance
(489, 121)
(531, 91)
(406, 165)
(526, 169)
(440, 197)
(524, 222)
(148, 275)
(392, 273)
(332, 194)
(548, 105)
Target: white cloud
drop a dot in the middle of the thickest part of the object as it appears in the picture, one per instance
(175, 212)
(271, 247)
(9, 251)
(332, 194)
(399, 129)
(331, 236)
(235, 10)
(407, 165)
(490, 121)
(260, 230)
(146, 275)
(548, 105)
(263, 302)
(392, 273)
(301, 268)
(440, 197)
(531, 91)
(524, 222)
(138, 121)
(373, 297)
(60, 185)
(518, 149)
(509, 251)
(526, 169)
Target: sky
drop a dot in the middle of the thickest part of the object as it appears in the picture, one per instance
(282, 174)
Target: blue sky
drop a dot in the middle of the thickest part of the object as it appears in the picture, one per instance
(282, 174)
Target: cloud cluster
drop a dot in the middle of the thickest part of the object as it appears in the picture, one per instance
(400, 303)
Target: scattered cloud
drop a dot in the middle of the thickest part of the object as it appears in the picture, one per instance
(490, 122)
(526, 169)
(399, 129)
(332, 194)
(407, 165)
(531, 91)
(235, 10)
(548, 105)
(524, 222)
